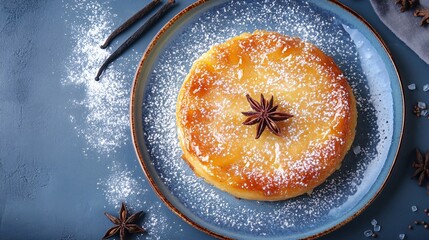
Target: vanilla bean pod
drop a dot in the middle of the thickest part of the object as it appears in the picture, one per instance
(131, 40)
(140, 14)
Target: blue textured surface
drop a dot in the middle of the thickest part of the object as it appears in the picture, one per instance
(54, 172)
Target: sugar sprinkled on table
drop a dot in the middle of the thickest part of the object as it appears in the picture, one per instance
(105, 123)
(421, 105)
(377, 228)
(368, 233)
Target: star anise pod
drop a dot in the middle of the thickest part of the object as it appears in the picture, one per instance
(123, 224)
(407, 4)
(424, 13)
(421, 164)
(265, 114)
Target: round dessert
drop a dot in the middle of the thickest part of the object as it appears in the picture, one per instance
(310, 142)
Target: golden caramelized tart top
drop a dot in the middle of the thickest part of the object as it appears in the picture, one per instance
(304, 82)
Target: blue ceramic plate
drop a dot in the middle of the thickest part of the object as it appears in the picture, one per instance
(339, 33)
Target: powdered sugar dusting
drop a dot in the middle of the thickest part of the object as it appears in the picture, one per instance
(304, 214)
(121, 186)
(156, 224)
(105, 124)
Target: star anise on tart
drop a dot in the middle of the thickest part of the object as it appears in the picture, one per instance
(123, 224)
(421, 164)
(407, 4)
(265, 114)
(424, 13)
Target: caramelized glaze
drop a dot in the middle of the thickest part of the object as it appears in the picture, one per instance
(304, 81)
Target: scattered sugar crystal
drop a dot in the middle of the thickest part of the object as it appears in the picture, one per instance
(357, 150)
(412, 86)
(414, 208)
(424, 113)
(421, 105)
(426, 87)
(374, 222)
(368, 233)
(402, 236)
(377, 228)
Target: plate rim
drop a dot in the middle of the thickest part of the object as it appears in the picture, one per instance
(152, 182)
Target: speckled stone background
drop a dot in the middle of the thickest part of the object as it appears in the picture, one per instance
(66, 154)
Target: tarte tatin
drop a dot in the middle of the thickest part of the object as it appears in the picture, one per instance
(303, 81)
